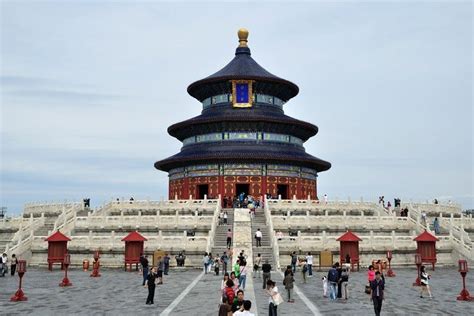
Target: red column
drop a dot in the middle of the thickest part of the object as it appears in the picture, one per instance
(264, 185)
(185, 189)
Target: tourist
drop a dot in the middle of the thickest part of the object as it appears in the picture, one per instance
(325, 286)
(236, 268)
(13, 264)
(131, 200)
(229, 238)
(225, 261)
(216, 264)
(258, 236)
(294, 260)
(339, 287)
(180, 259)
(225, 218)
(272, 292)
(243, 275)
(377, 286)
(423, 218)
(389, 206)
(345, 282)
(205, 262)
(379, 266)
(235, 282)
(144, 263)
(239, 302)
(304, 269)
(436, 226)
(256, 266)
(371, 273)
(288, 282)
(161, 268)
(309, 262)
(221, 217)
(224, 308)
(425, 286)
(150, 283)
(245, 309)
(325, 199)
(229, 291)
(332, 279)
(242, 257)
(4, 263)
(210, 263)
(224, 282)
(166, 261)
(267, 273)
(2, 268)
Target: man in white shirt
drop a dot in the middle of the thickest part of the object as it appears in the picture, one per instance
(258, 236)
(245, 310)
(309, 262)
(325, 199)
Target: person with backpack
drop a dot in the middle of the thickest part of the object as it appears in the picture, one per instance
(345, 282)
(229, 292)
(333, 279)
(304, 270)
(288, 282)
(267, 273)
(294, 260)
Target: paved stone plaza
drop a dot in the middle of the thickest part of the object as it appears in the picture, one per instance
(121, 293)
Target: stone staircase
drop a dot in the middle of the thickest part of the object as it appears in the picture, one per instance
(220, 239)
(265, 250)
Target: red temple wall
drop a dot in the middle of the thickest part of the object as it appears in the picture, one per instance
(226, 185)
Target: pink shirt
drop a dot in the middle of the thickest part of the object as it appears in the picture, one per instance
(229, 234)
(371, 275)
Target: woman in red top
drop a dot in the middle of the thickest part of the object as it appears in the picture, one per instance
(229, 291)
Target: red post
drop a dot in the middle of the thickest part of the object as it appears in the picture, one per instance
(418, 265)
(19, 295)
(66, 262)
(95, 272)
(464, 295)
(390, 272)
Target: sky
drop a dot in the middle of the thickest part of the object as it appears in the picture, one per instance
(88, 90)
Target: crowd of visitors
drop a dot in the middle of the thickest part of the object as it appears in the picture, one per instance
(4, 264)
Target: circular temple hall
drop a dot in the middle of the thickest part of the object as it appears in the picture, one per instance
(243, 142)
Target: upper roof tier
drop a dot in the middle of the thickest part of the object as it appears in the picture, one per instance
(243, 67)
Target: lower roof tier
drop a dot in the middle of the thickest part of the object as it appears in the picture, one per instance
(242, 152)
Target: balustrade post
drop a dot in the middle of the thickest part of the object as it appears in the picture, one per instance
(324, 239)
(326, 213)
(112, 241)
(393, 239)
(371, 239)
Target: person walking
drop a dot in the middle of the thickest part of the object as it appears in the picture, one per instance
(332, 279)
(258, 236)
(205, 262)
(150, 283)
(226, 216)
(309, 262)
(267, 273)
(294, 260)
(229, 238)
(161, 267)
(225, 261)
(288, 282)
(13, 264)
(345, 282)
(272, 291)
(243, 275)
(377, 286)
(256, 266)
(166, 261)
(304, 269)
(425, 286)
(436, 226)
(144, 263)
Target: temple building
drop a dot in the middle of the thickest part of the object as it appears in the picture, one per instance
(243, 141)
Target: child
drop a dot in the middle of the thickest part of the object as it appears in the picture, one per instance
(325, 286)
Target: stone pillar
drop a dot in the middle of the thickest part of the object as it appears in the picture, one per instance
(242, 236)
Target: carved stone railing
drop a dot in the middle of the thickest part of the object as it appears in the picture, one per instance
(212, 232)
(273, 239)
(21, 241)
(53, 207)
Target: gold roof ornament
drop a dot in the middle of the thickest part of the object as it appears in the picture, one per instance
(243, 35)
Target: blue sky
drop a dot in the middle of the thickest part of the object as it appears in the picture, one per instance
(88, 90)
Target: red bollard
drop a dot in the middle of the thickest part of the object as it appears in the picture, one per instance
(390, 272)
(418, 265)
(67, 262)
(19, 295)
(95, 266)
(464, 295)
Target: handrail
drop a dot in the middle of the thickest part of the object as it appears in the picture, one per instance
(273, 240)
(212, 232)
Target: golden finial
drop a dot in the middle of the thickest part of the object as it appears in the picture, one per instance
(243, 35)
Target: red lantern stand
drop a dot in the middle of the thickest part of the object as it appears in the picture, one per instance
(390, 272)
(418, 266)
(67, 262)
(134, 246)
(57, 247)
(426, 247)
(464, 295)
(349, 244)
(95, 266)
(19, 295)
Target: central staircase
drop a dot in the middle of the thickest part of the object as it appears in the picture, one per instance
(220, 239)
(265, 250)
